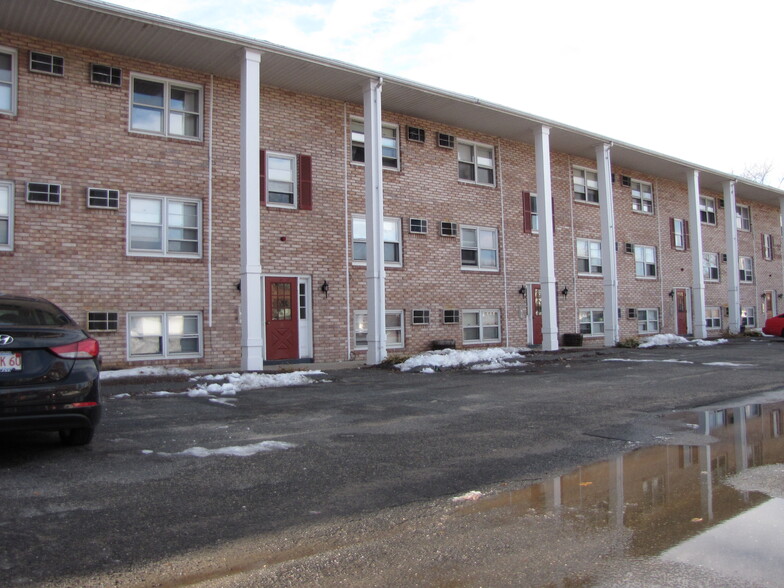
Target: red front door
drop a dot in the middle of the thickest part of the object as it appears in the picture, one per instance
(282, 320)
(767, 306)
(682, 312)
(536, 315)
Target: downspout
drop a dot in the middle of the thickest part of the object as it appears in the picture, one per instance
(209, 205)
(346, 219)
(503, 246)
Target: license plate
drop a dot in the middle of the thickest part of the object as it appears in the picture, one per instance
(10, 361)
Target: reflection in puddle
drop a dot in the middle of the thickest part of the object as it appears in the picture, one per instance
(672, 502)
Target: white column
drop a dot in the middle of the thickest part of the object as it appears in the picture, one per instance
(609, 267)
(544, 203)
(374, 219)
(733, 276)
(695, 236)
(250, 223)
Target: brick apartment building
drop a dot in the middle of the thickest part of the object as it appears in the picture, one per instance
(199, 198)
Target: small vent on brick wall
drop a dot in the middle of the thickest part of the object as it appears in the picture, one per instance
(448, 229)
(417, 225)
(43, 193)
(626, 180)
(632, 313)
(446, 141)
(49, 64)
(416, 134)
(629, 247)
(724, 257)
(105, 75)
(100, 198)
(101, 321)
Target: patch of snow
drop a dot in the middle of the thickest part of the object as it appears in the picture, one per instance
(119, 396)
(663, 339)
(144, 371)
(428, 370)
(224, 401)
(650, 360)
(235, 451)
(729, 364)
(704, 343)
(453, 358)
(473, 495)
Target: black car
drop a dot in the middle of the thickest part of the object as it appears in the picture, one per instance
(49, 371)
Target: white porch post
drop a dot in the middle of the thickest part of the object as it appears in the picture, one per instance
(544, 202)
(609, 267)
(695, 236)
(252, 319)
(374, 219)
(733, 276)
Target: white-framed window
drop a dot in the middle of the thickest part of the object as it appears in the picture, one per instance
(746, 269)
(591, 321)
(161, 335)
(481, 326)
(102, 198)
(710, 267)
(589, 257)
(534, 213)
(642, 197)
(281, 185)
(451, 316)
(41, 193)
(393, 328)
(478, 248)
(417, 226)
(6, 216)
(390, 146)
(393, 244)
(644, 261)
(713, 317)
(707, 210)
(420, 317)
(586, 185)
(46, 63)
(165, 107)
(8, 84)
(164, 226)
(647, 320)
(105, 75)
(476, 163)
(748, 316)
(767, 246)
(742, 217)
(680, 237)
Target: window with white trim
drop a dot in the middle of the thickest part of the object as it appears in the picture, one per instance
(164, 226)
(707, 210)
(642, 197)
(8, 69)
(742, 217)
(748, 316)
(102, 198)
(647, 320)
(281, 185)
(710, 267)
(451, 316)
(390, 147)
(680, 237)
(644, 261)
(476, 163)
(420, 317)
(591, 321)
(589, 257)
(45, 63)
(166, 107)
(393, 328)
(105, 75)
(767, 246)
(161, 335)
(746, 269)
(392, 240)
(713, 317)
(586, 185)
(41, 193)
(478, 248)
(6, 216)
(481, 326)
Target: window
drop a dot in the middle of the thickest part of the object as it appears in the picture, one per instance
(160, 225)
(451, 316)
(530, 213)
(7, 80)
(746, 269)
(589, 257)
(713, 317)
(420, 317)
(679, 233)
(448, 229)
(416, 134)
(767, 246)
(165, 107)
(393, 329)
(647, 320)
(743, 217)
(100, 198)
(6, 216)
(591, 321)
(446, 141)
(389, 144)
(748, 316)
(710, 267)
(159, 335)
(392, 240)
(45, 63)
(644, 261)
(105, 75)
(478, 248)
(475, 163)
(43, 193)
(417, 225)
(642, 197)
(481, 326)
(586, 185)
(102, 321)
(281, 174)
(707, 210)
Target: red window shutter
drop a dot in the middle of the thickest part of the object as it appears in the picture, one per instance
(527, 222)
(263, 174)
(686, 234)
(672, 232)
(305, 185)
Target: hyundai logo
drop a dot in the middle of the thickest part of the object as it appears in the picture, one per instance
(6, 339)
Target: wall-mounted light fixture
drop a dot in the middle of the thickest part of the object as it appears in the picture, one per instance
(762, 295)
(239, 286)
(325, 288)
(564, 292)
(671, 294)
(523, 291)
(780, 296)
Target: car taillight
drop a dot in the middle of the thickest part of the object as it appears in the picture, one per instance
(84, 349)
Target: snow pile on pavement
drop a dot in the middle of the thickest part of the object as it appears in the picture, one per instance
(670, 339)
(704, 343)
(250, 381)
(234, 451)
(468, 496)
(144, 371)
(430, 361)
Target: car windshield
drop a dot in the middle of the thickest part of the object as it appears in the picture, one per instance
(31, 313)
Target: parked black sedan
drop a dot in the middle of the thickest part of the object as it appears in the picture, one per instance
(49, 371)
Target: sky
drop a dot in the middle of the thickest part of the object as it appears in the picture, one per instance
(699, 80)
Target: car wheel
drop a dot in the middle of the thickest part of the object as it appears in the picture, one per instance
(81, 436)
